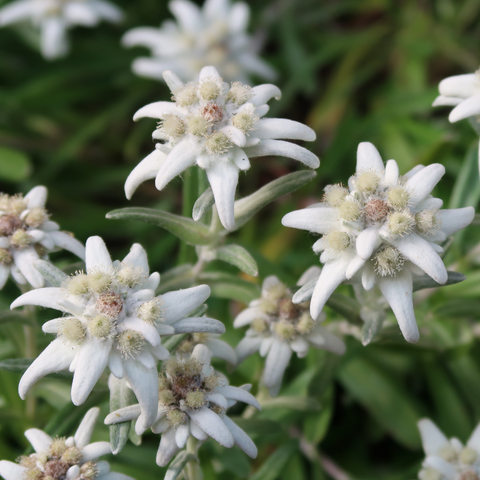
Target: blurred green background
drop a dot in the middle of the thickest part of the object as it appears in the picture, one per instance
(354, 71)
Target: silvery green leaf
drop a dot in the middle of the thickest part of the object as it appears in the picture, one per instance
(133, 437)
(247, 207)
(226, 285)
(203, 204)
(238, 256)
(51, 273)
(292, 402)
(171, 343)
(178, 464)
(120, 397)
(200, 311)
(184, 228)
(199, 325)
(419, 283)
(373, 324)
(176, 278)
(305, 293)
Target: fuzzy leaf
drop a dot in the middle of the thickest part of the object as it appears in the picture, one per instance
(238, 256)
(419, 283)
(247, 207)
(203, 204)
(176, 278)
(292, 402)
(178, 464)
(51, 273)
(171, 343)
(305, 293)
(372, 326)
(120, 397)
(185, 229)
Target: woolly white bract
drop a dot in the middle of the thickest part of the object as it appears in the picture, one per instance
(381, 230)
(55, 17)
(213, 35)
(193, 400)
(63, 458)
(113, 318)
(217, 127)
(27, 234)
(278, 327)
(448, 459)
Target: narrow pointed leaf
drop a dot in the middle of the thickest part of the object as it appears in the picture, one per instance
(419, 283)
(178, 464)
(51, 273)
(305, 293)
(203, 204)
(238, 256)
(185, 229)
(120, 397)
(275, 463)
(133, 436)
(171, 343)
(176, 278)
(247, 207)
(372, 326)
(292, 402)
(226, 285)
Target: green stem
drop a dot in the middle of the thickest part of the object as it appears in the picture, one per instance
(194, 471)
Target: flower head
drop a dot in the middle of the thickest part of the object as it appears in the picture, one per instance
(193, 400)
(382, 230)
(63, 458)
(55, 17)
(212, 35)
(448, 459)
(27, 234)
(112, 317)
(217, 127)
(218, 348)
(279, 327)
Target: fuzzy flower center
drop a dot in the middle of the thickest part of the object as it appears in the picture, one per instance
(56, 461)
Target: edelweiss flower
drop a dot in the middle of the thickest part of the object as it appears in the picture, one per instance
(383, 229)
(461, 92)
(63, 458)
(448, 459)
(55, 17)
(217, 127)
(113, 318)
(214, 35)
(193, 400)
(278, 327)
(218, 348)
(27, 234)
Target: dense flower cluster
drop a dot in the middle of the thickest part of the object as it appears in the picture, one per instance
(381, 230)
(61, 458)
(448, 459)
(55, 17)
(212, 35)
(217, 127)
(27, 234)
(193, 400)
(279, 327)
(115, 319)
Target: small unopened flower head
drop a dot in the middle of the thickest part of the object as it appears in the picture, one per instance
(198, 125)
(305, 324)
(367, 182)
(36, 217)
(429, 474)
(71, 455)
(130, 343)
(99, 281)
(166, 397)
(259, 325)
(72, 330)
(88, 471)
(79, 284)
(350, 210)
(187, 95)
(57, 447)
(388, 261)
(335, 195)
(17, 205)
(110, 304)
(151, 311)
(9, 224)
(284, 329)
(130, 276)
(101, 326)
(211, 382)
(195, 399)
(239, 93)
(212, 112)
(376, 210)
(20, 239)
(210, 89)
(172, 126)
(5, 257)
(176, 417)
(468, 456)
(398, 197)
(338, 240)
(401, 223)
(245, 120)
(427, 221)
(218, 143)
(34, 474)
(56, 469)
(448, 453)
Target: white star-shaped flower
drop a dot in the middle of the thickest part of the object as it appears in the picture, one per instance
(382, 229)
(278, 327)
(55, 17)
(193, 401)
(448, 459)
(27, 234)
(112, 317)
(69, 458)
(217, 127)
(212, 35)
